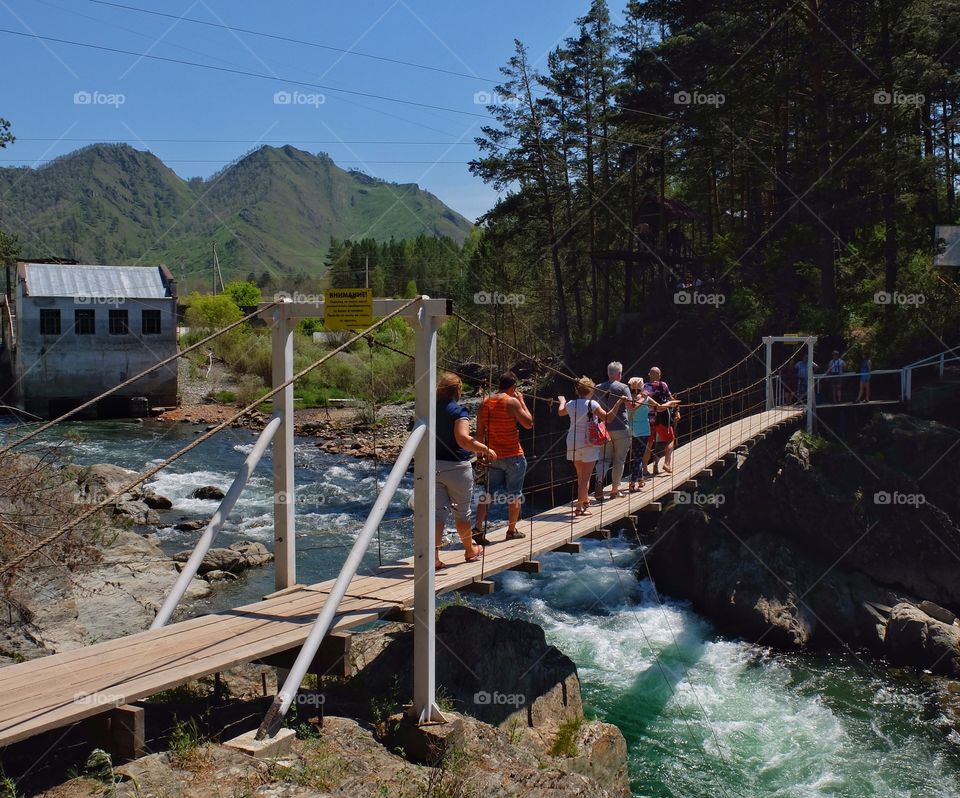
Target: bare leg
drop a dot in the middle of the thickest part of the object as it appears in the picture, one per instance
(513, 515)
(482, 508)
(439, 542)
(470, 549)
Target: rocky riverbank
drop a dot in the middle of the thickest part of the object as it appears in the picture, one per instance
(512, 706)
(116, 576)
(338, 430)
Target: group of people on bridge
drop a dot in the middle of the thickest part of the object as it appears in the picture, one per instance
(609, 422)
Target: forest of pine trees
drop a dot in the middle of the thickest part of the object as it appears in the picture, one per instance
(814, 144)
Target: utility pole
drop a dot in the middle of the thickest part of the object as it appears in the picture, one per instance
(366, 272)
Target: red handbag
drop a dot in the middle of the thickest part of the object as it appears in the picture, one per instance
(597, 434)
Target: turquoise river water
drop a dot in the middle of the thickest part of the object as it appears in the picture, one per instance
(703, 715)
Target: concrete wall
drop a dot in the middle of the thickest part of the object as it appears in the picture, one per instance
(78, 367)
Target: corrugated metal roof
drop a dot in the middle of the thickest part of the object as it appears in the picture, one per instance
(132, 282)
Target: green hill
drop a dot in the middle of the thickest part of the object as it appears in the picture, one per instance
(273, 210)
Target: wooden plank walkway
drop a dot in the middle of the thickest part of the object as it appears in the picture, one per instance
(55, 691)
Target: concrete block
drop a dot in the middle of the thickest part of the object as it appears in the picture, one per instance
(270, 748)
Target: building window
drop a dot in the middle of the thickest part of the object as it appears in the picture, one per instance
(150, 322)
(84, 322)
(119, 324)
(49, 322)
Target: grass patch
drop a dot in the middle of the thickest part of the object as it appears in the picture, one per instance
(321, 770)
(565, 745)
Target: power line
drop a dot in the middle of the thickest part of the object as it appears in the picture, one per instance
(246, 141)
(242, 72)
(291, 40)
(209, 160)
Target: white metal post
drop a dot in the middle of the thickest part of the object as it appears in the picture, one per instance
(768, 342)
(424, 708)
(284, 487)
(811, 388)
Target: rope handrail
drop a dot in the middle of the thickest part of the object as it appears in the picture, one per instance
(144, 476)
(115, 388)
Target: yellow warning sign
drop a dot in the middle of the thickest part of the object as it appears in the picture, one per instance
(348, 308)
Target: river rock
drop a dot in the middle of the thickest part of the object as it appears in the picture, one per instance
(190, 526)
(233, 559)
(138, 511)
(96, 482)
(208, 492)
(915, 638)
(155, 501)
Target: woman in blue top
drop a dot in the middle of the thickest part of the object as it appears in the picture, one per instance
(455, 446)
(639, 418)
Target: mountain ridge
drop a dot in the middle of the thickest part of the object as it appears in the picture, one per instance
(274, 209)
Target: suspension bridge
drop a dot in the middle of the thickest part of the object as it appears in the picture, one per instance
(724, 416)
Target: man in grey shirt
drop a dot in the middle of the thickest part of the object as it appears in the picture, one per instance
(614, 453)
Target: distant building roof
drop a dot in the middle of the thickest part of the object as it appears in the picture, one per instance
(132, 282)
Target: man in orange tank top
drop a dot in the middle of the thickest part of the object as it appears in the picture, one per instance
(497, 426)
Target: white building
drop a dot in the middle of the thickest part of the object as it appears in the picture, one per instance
(83, 329)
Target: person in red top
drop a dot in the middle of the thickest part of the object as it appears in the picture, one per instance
(497, 421)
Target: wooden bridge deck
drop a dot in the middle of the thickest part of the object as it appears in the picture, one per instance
(61, 689)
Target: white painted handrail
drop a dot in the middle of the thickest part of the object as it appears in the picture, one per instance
(215, 524)
(283, 699)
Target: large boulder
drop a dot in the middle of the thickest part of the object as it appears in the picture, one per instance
(209, 492)
(924, 450)
(498, 670)
(854, 509)
(915, 638)
(102, 480)
(762, 587)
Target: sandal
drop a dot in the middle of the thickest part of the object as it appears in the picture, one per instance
(667, 470)
(480, 537)
(439, 566)
(477, 553)
(515, 535)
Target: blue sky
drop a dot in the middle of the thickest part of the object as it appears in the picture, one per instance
(60, 97)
